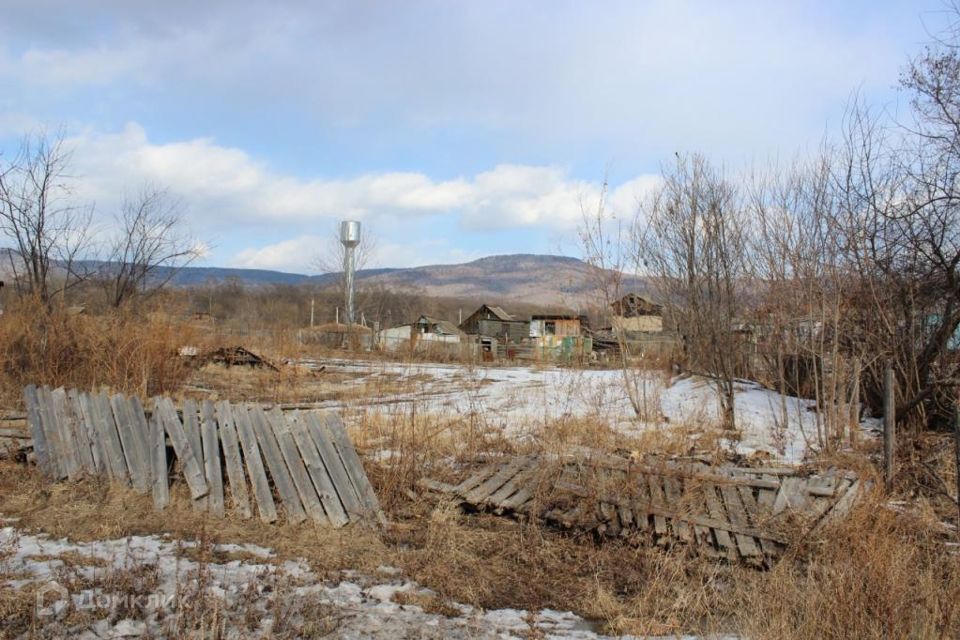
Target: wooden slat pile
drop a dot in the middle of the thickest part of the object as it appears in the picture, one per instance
(221, 450)
(725, 511)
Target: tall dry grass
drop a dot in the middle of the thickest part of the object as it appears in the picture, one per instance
(123, 351)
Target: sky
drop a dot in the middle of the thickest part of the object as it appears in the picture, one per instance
(452, 130)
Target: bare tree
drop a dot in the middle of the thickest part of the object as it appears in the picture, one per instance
(605, 246)
(39, 216)
(150, 246)
(691, 236)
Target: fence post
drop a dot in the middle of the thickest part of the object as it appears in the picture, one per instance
(889, 425)
(855, 403)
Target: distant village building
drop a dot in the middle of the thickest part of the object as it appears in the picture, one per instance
(500, 334)
(427, 334)
(493, 322)
(634, 313)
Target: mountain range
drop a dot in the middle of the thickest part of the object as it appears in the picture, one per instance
(536, 279)
(530, 278)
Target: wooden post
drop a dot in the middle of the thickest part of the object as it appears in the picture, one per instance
(855, 403)
(889, 425)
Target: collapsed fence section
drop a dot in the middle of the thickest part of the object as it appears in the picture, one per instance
(721, 511)
(236, 455)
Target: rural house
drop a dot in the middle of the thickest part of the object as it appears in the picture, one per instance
(493, 322)
(634, 313)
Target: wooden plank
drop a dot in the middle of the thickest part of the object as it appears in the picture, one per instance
(318, 472)
(240, 497)
(738, 516)
(674, 494)
(131, 450)
(141, 435)
(107, 430)
(278, 470)
(211, 459)
(716, 512)
(792, 495)
(842, 506)
(298, 472)
(755, 515)
(158, 449)
(85, 444)
(189, 463)
(254, 463)
(504, 474)
(191, 426)
(40, 445)
(526, 474)
(657, 499)
(354, 466)
(88, 420)
(68, 438)
(476, 479)
(59, 456)
(766, 497)
(334, 466)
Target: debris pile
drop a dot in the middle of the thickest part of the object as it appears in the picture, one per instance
(724, 511)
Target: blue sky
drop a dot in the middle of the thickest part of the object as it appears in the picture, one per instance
(453, 130)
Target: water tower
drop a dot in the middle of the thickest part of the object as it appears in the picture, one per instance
(349, 238)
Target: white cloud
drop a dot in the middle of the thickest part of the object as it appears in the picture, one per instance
(221, 187)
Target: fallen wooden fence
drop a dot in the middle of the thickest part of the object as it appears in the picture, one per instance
(229, 455)
(730, 512)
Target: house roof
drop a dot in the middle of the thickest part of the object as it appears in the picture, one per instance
(500, 313)
(442, 326)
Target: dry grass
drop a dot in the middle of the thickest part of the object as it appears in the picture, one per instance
(122, 351)
(879, 574)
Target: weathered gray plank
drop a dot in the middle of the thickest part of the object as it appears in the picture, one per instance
(72, 423)
(716, 510)
(516, 483)
(158, 448)
(334, 466)
(231, 453)
(107, 430)
(131, 447)
(211, 459)
(752, 508)
(191, 426)
(251, 456)
(503, 475)
(318, 472)
(59, 454)
(40, 445)
(476, 479)
(276, 466)
(738, 516)
(353, 465)
(298, 472)
(68, 437)
(141, 435)
(88, 421)
(189, 463)
(657, 499)
(674, 493)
